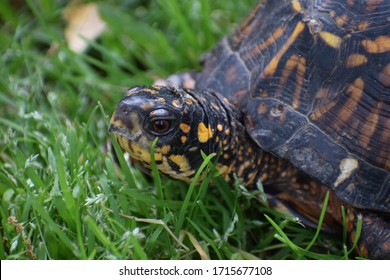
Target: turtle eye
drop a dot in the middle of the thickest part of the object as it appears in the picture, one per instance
(161, 121)
(160, 126)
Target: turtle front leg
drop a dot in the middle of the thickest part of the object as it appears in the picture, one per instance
(183, 80)
(374, 240)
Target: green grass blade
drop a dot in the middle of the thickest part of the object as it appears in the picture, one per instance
(186, 202)
(320, 221)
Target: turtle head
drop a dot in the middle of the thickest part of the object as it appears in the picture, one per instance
(184, 123)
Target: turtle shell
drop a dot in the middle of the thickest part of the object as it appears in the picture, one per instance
(313, 81)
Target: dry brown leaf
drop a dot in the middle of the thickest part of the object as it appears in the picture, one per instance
(84, 23)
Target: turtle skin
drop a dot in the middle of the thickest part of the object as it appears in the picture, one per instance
(306, 87)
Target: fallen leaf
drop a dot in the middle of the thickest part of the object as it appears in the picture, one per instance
(84, 24)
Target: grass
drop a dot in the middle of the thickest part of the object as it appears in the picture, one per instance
(63, 196)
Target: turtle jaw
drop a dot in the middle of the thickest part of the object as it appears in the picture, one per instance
(123, 132)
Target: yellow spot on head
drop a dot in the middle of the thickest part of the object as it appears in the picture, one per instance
(165, 149)
(331, 39)
(185, 127)
(183, 139)
(176, 103)
(180, 161)
(204, 133)
(139, 153)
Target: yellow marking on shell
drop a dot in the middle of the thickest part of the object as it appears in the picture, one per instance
(355, 93)
(347, 167)
(322, 93)
(317, 113)
(270, 40)
(372, 5)
(176, 103)
(204, 133)
(270, 69)
(165, 149)
(363, 25)
(219, 127)
(341, 20)
(384, 76)
(183, 139)
(381, 44)
(226, 156)
(227, 131)
(369, 126)
(296, 5)
(355, 60)
(185, 127)
(331, 39)
(180, 161)
(293, 63)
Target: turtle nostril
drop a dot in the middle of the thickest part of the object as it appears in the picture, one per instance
(122, 109)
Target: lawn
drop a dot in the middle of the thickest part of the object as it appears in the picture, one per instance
(64, 196)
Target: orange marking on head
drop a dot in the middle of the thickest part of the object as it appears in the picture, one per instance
(185, 127)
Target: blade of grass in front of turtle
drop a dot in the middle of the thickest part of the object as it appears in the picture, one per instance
(320, 221)
(42, 214)
(90, 222)
(208, 239)
(123, 163)
(155, 173)
(186, 201)
(358, 231)
(281, 236)
(345, 224)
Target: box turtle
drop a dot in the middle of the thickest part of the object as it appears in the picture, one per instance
(297, 97)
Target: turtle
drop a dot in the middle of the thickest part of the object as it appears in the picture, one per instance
(296, 97)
